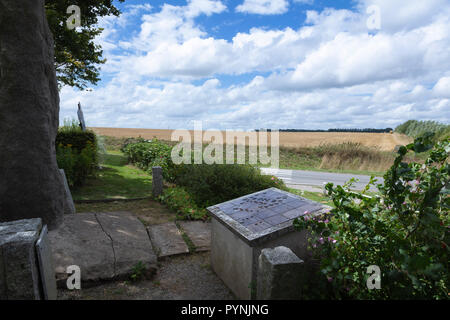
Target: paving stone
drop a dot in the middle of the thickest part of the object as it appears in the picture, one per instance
(130, 241)
(199, 232)
(81, 241)
(104, 245)
(167, 239)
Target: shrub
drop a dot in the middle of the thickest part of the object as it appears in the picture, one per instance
(405, 232)
(76, 153)
(180, 201)
(216, 183)
(146, 154)
(415, 129)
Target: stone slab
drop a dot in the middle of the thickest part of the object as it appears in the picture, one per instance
(81, 241)
(104, 245)
(167, 240)
(263, 215)
(46, 268)
(199, 232)
(130, 241)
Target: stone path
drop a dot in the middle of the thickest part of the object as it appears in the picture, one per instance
(109, 245)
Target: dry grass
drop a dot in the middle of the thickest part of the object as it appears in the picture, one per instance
(381, 141)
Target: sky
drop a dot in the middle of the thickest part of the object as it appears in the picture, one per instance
(247, 64)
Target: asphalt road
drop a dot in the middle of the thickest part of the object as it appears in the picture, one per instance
(318, 178)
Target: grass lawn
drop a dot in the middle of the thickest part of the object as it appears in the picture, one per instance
(314, 196)
(117, 180)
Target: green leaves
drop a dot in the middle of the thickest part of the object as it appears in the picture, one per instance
(77, 57)
(404, 232)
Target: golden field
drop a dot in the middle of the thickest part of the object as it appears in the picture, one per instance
(380, 141)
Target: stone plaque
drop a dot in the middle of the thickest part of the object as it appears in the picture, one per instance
(260, 214)
(81, 117)
(46, 269)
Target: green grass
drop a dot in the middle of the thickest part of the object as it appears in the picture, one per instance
(117, 180)
(314, 196)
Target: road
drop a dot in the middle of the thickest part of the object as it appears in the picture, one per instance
(318, 178)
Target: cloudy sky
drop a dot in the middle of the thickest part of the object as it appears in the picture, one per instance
(245, 64)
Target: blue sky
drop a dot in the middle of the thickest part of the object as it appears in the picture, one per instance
(247, 64)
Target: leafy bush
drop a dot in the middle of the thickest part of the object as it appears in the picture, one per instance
(76, 153)
(207, 184)
(216, 183)
(180, 201)
(146, 154)
(415, 129)
(405, 232)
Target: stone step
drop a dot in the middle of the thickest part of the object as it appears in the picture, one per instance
(199, 232)
(167, 239)
(104, 245)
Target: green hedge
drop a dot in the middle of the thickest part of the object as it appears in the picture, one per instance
(210, 184)
(76, 153)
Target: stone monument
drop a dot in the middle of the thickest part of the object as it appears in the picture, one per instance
(243, 227)
(31, 184)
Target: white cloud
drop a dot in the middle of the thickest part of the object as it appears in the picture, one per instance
(442, 88)
(265, 7)
(328, 73)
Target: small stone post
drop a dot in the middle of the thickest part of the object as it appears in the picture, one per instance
(157, 181)
(19, 273)
(280, 275)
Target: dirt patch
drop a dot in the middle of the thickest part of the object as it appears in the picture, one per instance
(188, 277)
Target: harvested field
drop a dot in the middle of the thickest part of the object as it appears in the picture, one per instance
(381, 141)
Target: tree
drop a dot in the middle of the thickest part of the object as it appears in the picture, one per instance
(77, 57)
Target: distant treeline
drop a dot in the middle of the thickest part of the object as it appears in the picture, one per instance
(415, 128)
(369, 130)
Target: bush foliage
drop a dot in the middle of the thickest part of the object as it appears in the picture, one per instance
(206, 184)
(405, 232)
(180, 201)
(216, 183)
(415, 129)
(76, 153)
(149, 153)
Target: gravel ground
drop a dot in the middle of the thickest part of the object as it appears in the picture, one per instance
(187, 277)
